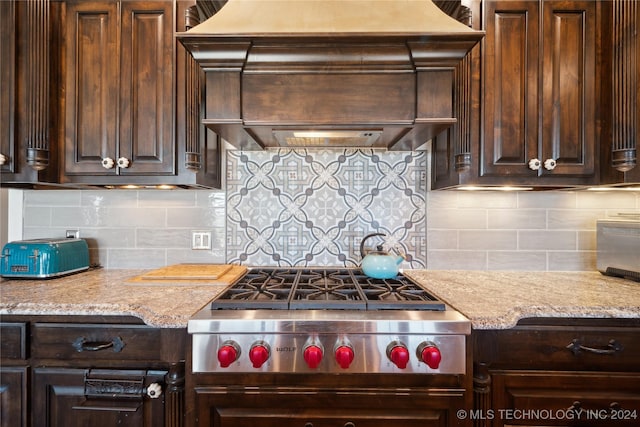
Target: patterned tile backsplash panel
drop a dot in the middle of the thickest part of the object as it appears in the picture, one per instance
(313, 207)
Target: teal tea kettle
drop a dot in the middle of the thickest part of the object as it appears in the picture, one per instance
(379, 264)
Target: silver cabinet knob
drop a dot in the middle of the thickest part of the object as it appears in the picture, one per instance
(123, 162)
(3, 159)
(534, 164)
(107, 163)
(550, 164)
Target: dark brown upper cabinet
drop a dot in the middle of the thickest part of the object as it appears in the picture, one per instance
(534, 99)
(118, 88)
(99, 93)
(27, 153)
(620, 94)
(126, 103)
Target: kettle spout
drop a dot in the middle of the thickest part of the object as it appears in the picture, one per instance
(401, 256)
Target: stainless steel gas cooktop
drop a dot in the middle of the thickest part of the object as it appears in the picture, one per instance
(321, 289)
(306, 320)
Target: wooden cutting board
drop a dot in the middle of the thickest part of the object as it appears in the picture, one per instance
(188, 272)
(214, 274)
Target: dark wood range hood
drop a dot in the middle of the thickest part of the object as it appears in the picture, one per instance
(315, 73)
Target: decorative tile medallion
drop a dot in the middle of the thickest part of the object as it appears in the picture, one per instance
(311, 207)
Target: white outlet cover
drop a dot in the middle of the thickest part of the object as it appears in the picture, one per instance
(201, 240)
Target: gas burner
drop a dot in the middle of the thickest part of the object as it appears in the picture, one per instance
(324, 289)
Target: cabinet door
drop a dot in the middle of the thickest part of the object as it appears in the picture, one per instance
(565, 398)
(146, 88)
(510, 69)
(569, 89)
(91, 65)
(13, 397)
(119, 88)
(65, 397)
(91, 97)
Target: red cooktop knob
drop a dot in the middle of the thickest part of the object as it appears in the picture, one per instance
(228, 353)
(429, 354)
(398, 354)
(344, 356)
(313, 356)
(259, 354)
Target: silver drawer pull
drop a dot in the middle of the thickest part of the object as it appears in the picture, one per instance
(82, 344)
(576, 347)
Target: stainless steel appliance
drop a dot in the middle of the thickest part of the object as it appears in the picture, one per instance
(618, 242)
(328, 347)
(327, 320)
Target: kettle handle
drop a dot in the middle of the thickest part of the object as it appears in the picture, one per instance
(365, 238)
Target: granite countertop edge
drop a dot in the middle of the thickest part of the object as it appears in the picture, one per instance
(489, 299)
(498, 300)
(104, 292)
(150, 318)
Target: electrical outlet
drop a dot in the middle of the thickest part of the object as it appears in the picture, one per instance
(200, 240)
(73, 234)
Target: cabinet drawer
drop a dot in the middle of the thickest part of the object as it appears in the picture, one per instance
(13, 344)
(561, 347)
(95, 342)
(558, 398)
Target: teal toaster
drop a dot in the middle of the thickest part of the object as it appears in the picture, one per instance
(42, 258)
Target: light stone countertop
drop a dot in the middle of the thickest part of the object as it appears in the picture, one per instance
(497, 300)
(491, 300)
(107, 292)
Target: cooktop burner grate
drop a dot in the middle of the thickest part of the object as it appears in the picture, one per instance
(323, 289)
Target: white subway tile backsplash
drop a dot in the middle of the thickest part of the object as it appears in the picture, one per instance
(587, 240)
(576, 219)
(163, 238)
(457, 260)
(121, 237)
(159, 198)
(134, 217)
(612, 201)
(517, 260)
(459, 219)
(109, 198)
(442, 239)
(177, 256)
(66, 216)
(42, 232)
(52, 198)
(547, 199)
(119, 258)
(547, 240)
(195, 217)
(36, 216)
(488, 240)
(487, 200)
(571, 261)
(517, 219)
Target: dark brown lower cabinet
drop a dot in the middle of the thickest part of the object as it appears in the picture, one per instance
(64, 397)
(558, 372)
(305, 407)
(567, 398)
(13, 396)
(90, 371)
